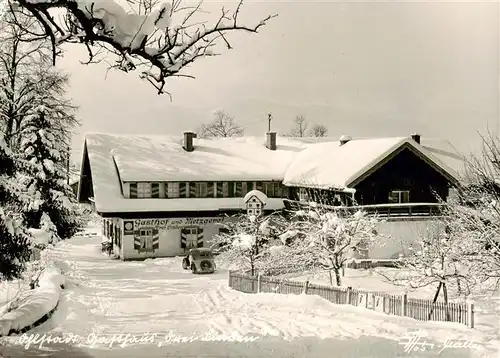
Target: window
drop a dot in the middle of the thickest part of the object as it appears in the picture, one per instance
(173, 190)
(229, 190)
(399, 196)
(272, 189)
(144, 190)
(408, 182)
(201, 190)
(302, 194)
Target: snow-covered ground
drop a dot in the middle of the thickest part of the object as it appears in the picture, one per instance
(103, 297)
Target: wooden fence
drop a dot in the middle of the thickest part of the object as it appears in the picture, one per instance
(398, 305)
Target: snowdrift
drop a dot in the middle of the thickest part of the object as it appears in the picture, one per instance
(38, 304)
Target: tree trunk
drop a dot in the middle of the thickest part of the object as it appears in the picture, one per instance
(337, 276)
(330, 276)
(437, 293)
(445, 294)
(435, 300)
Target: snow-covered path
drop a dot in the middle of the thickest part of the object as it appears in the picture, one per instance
(105, 297)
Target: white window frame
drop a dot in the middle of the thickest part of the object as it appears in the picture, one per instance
(173, 190)
(400, 194)
(144, 190)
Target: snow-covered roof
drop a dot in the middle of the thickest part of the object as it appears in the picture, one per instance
(162, 158)
(331, 165)
(150, 158)
(317, 161)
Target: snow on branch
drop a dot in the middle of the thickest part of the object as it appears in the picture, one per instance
(159, 40)
(328, 239)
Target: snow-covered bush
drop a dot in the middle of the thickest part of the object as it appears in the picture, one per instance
(442, 258)
(247, 240)
(158, 38)
(38, 304)
(325, 239)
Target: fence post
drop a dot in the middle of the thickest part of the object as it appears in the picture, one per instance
(306, 287)
(348, 295)
(258, 282)
(470, 314)
(404, 304)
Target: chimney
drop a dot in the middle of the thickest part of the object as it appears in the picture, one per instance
(188, 141)
(271, 140)
(416, 137)
(344, 139)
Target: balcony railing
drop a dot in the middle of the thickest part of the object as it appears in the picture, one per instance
(384, 210)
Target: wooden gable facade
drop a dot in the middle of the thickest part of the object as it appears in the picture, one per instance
(405, 176)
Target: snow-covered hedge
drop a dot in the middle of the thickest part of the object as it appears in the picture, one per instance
(40, 303)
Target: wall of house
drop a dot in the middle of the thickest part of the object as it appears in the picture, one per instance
(167, 237)
(406, 171)
(396, 236)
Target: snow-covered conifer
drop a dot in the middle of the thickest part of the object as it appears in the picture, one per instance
(15, 241)
(53, 206)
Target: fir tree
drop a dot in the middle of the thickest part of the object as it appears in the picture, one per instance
(53, 206)
(15, 245)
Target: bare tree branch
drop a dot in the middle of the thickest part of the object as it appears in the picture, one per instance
(146, 37)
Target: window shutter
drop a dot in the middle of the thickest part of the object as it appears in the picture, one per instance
(210, 189)
(182, 190)
(155, 190)
(133, 190)
(238, 189)
(230, 189)
(220, 191)
(192, 190)
(244, 188)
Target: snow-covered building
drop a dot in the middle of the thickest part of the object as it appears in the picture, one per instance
(403, 172)
(161, 195)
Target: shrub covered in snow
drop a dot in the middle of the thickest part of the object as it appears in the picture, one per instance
(247, 240)
(39, 303)
(321, 239)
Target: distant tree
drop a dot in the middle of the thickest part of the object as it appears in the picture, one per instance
(27, 77)
(300, 127)
(318, 130)
(223, 125)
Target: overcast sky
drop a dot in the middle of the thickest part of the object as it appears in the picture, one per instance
(361, 68)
